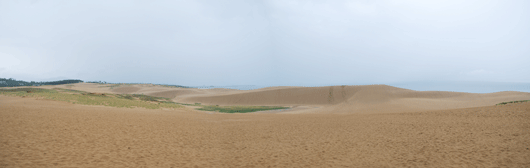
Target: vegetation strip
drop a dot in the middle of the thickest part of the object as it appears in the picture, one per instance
(239, 109)
(518, 101)
(86, 98)
(124, 100)
(13, 82)
(114, 85)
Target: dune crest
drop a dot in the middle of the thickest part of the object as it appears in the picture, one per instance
(367, 98)
(327, 99)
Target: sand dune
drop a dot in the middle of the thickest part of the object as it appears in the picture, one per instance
(40, 133)
(126, 89)
(174, 93)
(373, 126)
(330, 99)
(351, 99)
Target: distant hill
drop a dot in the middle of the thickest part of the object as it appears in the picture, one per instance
(12, 82)
(104, 82)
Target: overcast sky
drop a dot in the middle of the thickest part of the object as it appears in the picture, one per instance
(281, 42)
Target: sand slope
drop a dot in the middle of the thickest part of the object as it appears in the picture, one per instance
(41, 133)
(126, 89)
(330, 99)
(355, 99)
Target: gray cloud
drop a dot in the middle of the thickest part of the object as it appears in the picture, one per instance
(266, 42)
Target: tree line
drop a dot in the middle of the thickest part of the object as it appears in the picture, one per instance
(4, 82)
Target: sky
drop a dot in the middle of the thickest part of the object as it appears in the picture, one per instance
(276, 42)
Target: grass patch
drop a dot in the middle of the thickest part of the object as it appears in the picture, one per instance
(239, 109)
(80, 97)
(149, 98)
(123, 100)
(518, 101)
(125, 97)
(68, 90)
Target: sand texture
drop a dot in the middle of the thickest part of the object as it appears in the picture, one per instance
(357, 126)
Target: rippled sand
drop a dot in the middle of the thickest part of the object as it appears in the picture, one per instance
(42, 133)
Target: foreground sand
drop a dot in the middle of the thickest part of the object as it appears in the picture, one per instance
(41, 133)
